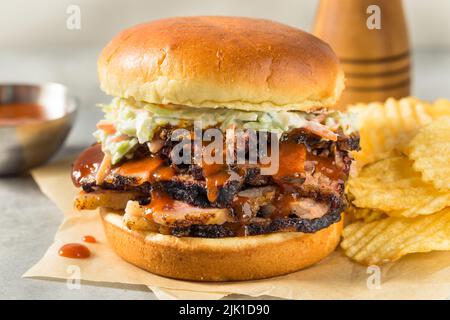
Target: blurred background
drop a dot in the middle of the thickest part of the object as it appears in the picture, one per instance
(36, 45)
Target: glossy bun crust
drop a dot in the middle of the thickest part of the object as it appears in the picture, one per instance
(209, 62)
(224, 259)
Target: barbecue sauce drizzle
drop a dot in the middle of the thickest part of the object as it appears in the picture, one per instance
(150, 169)
(87, 163)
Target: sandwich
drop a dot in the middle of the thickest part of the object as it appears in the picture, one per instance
(268, 199)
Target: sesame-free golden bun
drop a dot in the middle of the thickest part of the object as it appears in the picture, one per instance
(222, 259)
(210, 62)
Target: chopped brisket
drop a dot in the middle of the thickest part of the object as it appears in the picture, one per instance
(193, 192)
(249, 202)
(349, 143)
(191, 189)
(254, 178)
(251, 197)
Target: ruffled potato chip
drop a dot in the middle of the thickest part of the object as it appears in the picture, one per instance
(389, 239)
(386, 129)
(440, 107)
(430, 150)
(393, 186)
(353, 213)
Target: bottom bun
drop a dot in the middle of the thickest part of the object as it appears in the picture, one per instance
(219, 259)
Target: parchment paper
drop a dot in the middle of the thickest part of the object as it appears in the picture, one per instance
(418, 276)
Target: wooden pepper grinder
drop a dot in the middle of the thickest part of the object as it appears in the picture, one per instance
(371, 40)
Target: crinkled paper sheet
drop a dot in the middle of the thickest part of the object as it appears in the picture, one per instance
(419, 276)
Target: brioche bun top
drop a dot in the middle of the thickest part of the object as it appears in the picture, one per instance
(211, 62)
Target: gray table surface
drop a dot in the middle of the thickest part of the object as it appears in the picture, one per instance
(28, 220)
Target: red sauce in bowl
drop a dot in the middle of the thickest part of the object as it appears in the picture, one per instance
(21, 113)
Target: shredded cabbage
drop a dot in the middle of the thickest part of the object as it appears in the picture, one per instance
(136, 122)
(117, 145)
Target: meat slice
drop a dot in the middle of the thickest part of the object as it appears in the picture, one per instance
(183, 187)
(184, 214)
(190, 191)
(293, 224)
(179, 214)
(308, 208)
(134, 218)
(259, 226)
(249, 202)
(254, 178)
(194, 192)
(105, 198)
(317, 184)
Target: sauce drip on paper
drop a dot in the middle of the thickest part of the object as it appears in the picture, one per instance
(89, 238)
(74, 251)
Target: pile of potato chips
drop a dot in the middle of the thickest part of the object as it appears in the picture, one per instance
(400, 195)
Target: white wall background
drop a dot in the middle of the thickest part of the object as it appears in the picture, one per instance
(37, 24)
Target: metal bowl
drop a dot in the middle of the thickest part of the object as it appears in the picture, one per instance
(27, 145)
